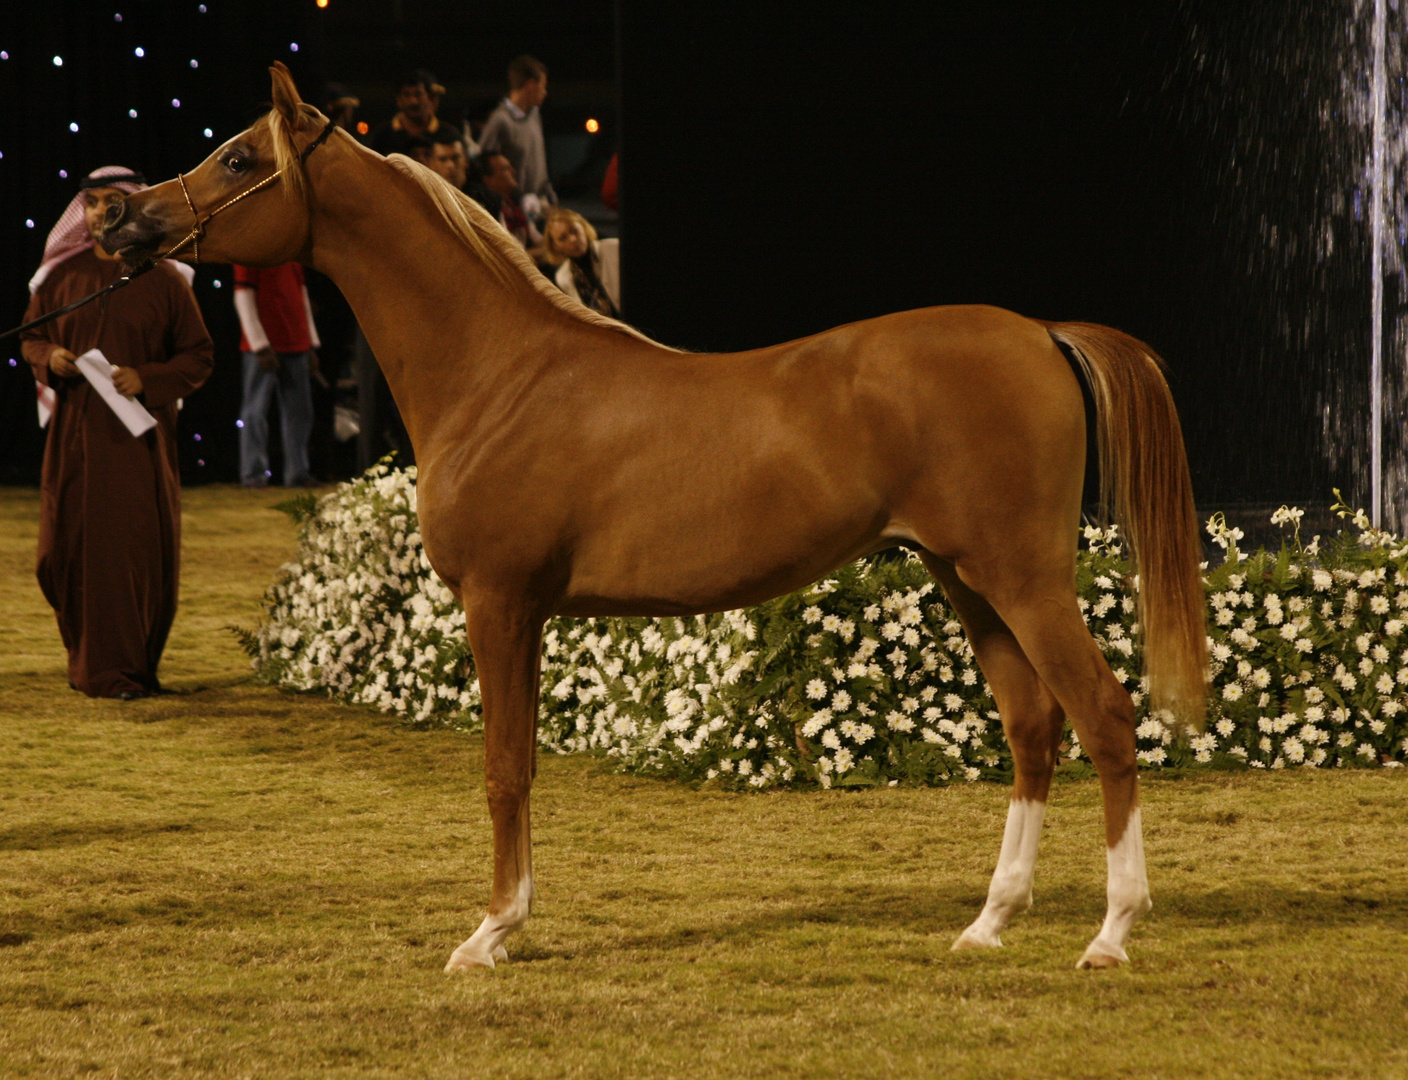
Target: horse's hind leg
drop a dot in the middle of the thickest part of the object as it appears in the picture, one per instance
(1032, 720)
(508, 656)
(1046, 620)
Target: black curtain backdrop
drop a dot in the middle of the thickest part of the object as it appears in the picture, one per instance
(789, 168)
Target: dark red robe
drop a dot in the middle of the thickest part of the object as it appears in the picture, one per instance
(110, 502)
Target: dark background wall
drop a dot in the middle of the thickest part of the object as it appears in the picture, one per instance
(1171, 169)
(1191, 172)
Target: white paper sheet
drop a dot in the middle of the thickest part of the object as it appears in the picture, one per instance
(98, 371)
(48, 402)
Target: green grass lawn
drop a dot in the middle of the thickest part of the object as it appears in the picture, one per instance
(232, 881)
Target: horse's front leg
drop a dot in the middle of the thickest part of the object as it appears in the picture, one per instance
(507, 646)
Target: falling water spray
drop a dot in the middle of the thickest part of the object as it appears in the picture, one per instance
(1376, 219)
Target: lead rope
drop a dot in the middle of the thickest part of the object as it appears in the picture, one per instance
(192, 237)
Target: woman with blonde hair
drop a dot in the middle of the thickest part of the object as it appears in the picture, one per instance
(588, 269)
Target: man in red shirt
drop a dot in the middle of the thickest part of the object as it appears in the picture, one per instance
(277, 342)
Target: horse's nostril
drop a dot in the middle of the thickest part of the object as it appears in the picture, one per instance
(114, 214)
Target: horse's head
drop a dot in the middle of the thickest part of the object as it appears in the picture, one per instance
(224, 208)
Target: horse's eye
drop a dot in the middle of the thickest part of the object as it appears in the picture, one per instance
(236, 164)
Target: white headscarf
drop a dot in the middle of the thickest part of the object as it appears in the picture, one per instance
(71, 235)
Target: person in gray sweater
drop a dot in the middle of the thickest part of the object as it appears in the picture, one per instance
(515, 130)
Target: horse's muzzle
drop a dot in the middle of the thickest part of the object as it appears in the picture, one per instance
(135, 237)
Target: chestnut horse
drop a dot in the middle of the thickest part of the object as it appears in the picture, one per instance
(571, 466)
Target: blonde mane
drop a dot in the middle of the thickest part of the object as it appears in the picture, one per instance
(492, 244)
(286, 157)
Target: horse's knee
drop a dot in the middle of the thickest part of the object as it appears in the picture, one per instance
(507, 796)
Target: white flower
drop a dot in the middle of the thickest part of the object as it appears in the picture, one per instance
(830, 739)
(816, 689)
(840, 701)
(897, 721)
(1150, 729)
(844, 760)
(1322, 580)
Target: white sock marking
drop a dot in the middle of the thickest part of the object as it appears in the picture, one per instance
(1010, 892)
(1127, 894)
(486, 945)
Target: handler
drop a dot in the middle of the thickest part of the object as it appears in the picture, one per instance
(110, 502)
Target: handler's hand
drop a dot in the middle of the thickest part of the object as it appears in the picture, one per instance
(127, 381)
(268, 358)
(61, 362)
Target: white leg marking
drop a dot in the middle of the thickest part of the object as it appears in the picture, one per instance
(1011, 890)
(487, 943)
(1127, 897)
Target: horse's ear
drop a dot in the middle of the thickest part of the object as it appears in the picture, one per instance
(285, 97)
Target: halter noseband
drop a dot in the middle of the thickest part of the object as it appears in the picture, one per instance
(198, 227)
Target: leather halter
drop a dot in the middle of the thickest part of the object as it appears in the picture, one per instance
(198, 227)
(192, 237)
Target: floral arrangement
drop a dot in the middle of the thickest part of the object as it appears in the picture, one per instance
(863, 679)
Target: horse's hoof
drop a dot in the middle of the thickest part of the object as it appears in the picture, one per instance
(500, 954)
(980, 939)
(1100, 957)
(463, 959)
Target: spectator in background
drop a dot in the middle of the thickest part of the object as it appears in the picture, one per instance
(276, 344)
(475, 189)
(588, 269)
(421, 149)
(500, 183)
(341, 105)
(515, 129)
(449, 161)
(417, 97)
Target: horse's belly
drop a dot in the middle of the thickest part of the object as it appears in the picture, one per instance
(705, 569)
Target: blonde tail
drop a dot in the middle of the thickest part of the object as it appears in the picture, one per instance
(1144, 481)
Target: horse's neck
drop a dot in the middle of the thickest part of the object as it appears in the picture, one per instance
(445, 329)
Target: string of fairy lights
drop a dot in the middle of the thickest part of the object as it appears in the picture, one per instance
(75, 137)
